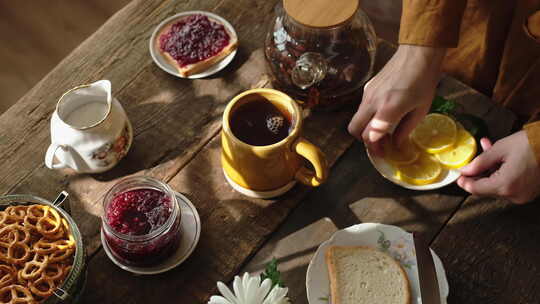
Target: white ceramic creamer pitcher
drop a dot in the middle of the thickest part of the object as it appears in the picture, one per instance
(90, 131)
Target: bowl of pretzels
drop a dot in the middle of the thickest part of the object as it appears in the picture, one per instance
(42, 257)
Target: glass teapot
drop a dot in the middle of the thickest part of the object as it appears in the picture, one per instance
(320, 52)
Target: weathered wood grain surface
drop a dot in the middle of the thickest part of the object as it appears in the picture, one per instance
(172, 118)
(173, 121)
(175, 124)
(490, 250)
(234, 226)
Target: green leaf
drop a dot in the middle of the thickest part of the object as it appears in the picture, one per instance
(271, 272)
(442, 105)
(475, 125)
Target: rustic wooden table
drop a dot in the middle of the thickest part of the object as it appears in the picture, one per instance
(489, 247)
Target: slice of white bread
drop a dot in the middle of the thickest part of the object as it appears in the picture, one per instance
(200, 66)
(362, 275)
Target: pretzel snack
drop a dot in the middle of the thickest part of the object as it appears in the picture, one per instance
(36, 253)
(8, 275)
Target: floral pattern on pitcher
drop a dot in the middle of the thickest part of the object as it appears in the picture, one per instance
(113, 151)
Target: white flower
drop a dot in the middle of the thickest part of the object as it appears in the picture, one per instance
(249, 290)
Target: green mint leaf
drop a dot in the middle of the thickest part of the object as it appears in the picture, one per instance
(475, 125)
(271, 272)
(442, 105)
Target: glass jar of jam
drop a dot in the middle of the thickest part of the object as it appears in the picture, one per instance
(320, 52)
(141, 221)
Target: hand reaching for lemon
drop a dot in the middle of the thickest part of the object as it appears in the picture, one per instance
(506, 169)
(396, 100)
(398, 97)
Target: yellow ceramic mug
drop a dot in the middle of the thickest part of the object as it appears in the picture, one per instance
(267, 171)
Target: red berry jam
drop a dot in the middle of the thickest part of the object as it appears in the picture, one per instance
(138, 212)
(193, 39)
(141, 221)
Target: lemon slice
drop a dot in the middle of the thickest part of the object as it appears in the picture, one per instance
(436, 133)
(425, 170)
(461, 153)
(405, 154)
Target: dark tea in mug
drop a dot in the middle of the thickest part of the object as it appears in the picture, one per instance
(260, 123)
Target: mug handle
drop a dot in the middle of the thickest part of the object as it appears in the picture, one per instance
(316, 157)
(49, 156)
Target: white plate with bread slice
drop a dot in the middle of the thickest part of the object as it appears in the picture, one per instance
(200, 69)
(375, 262)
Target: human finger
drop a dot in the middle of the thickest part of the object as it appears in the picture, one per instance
(376, 148)
(360, 119)
(385, 120)
(485, 143)
(489, 159)
(376, 130)
(482, 186)
(408, 123)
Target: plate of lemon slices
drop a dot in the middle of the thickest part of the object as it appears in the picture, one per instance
(431, 156)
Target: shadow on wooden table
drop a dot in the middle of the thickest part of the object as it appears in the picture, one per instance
(167, 137)
(354, 193)
(483, 249)
(490, 252)
(230, 225)
(228, 73)
(198, 103)
(86, 219)
(233, 227)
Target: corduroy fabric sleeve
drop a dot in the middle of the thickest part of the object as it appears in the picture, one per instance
(434, 23)
(533, 133)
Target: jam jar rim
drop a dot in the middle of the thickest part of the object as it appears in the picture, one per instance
(175, 213)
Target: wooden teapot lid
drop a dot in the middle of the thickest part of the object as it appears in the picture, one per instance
(321, 13)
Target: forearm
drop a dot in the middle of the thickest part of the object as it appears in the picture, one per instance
(433, 23)
(427, 59)
(427, 55)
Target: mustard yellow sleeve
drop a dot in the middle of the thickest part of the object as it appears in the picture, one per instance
(433, 23)
(533, 133)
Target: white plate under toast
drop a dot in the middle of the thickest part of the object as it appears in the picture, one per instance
(390, 239)
(167, 67)
(389, 172)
